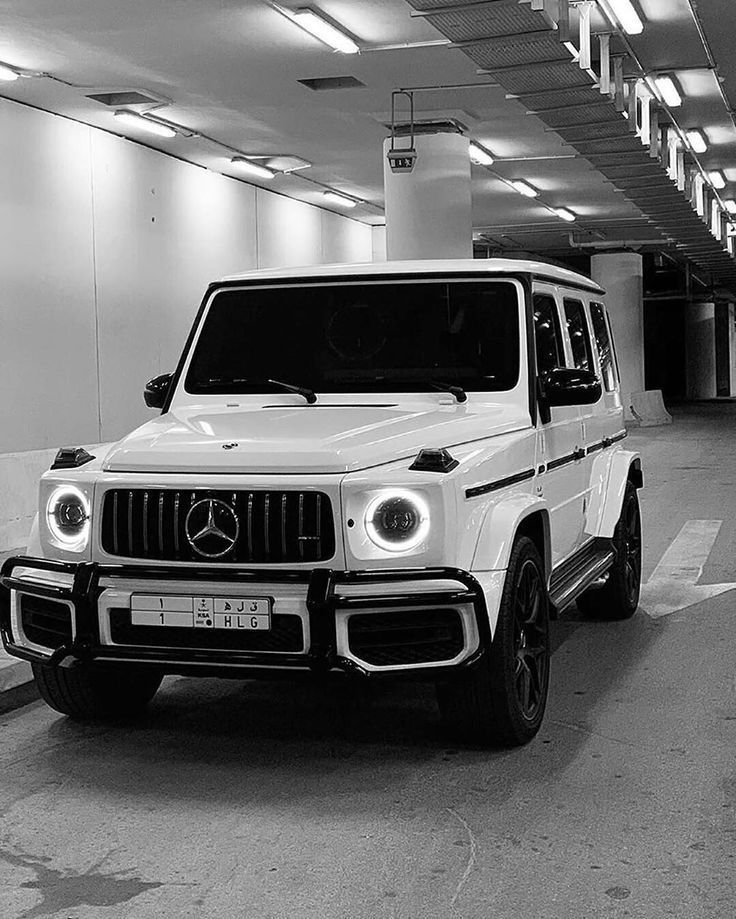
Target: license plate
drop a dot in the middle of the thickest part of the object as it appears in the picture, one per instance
(245, 613)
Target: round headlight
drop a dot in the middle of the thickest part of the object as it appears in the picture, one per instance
(67, 514)
(397, 520)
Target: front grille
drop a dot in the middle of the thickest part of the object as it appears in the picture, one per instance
(415, 637)
(272, 526)
(45, 622)
(285, 635)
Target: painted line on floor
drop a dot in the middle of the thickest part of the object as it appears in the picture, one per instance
(673, 585)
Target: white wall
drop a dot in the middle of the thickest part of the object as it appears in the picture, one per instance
(105, 250)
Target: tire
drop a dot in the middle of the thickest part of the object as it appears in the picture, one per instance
(619, 597)
(501, 701)
(89, 693)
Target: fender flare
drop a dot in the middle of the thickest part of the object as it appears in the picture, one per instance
(624, 467)
(499, 527)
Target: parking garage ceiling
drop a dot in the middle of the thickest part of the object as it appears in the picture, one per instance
(229, 72)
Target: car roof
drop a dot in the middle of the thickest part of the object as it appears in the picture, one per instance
(423, 267)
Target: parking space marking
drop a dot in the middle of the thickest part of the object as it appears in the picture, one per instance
(674, 584)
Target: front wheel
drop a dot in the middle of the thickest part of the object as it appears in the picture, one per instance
(91, 692)
(619, 596)
(503, 698)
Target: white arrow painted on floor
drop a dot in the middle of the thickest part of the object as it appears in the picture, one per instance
(674, 584)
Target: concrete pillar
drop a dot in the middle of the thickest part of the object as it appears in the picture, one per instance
(700, 344)
(428, 210)
(620, 275)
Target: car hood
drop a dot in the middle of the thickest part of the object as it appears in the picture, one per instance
(303, 439)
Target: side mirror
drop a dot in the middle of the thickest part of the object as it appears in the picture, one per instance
(568, 386)
(157, 390)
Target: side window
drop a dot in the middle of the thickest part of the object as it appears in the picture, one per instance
(550, 352)
(578, 332)
(603, 343)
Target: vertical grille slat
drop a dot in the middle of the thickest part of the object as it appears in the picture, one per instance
(273, 526)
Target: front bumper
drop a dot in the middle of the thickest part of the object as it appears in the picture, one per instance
(399, 610)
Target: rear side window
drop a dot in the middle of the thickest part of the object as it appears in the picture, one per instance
(578, 332)
(550, 352)
(603, 343)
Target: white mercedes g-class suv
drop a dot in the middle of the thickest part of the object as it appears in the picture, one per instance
(400, 469)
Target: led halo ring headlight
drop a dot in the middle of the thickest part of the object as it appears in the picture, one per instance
(397, 520)
(67, 515)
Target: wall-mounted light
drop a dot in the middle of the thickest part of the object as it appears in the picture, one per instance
(251, 168)
(325, 31)
(341, 200)
(144, 124)
(716, 179)
(730, 206)
(668, 91)
(697, 141)
(624, 14)
(479, 155)
(564, 214)
(524, 188)
(7, 73)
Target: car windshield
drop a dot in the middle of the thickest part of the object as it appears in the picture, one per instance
(365, 337)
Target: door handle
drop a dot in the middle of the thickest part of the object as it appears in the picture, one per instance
(578, 453)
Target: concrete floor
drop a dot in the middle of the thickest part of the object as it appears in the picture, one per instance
(280, 800)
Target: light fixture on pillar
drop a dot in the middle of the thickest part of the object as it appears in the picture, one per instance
(623, 13)
(7, 73)
(716, 179)
(564, 214)
(524, 188)
(143, 123)
(319, 27)
(250, 168)
(697, 141)
(341, 200)
(479, 155)
(668, 91)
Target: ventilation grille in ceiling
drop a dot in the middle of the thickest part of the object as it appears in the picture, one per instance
(121, 98)
(320, 84)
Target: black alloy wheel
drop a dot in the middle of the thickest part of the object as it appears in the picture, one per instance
(531, 642)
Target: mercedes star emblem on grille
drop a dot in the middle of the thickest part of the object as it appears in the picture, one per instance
(212, 528)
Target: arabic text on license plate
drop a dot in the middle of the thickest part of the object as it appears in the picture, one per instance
(245, 613)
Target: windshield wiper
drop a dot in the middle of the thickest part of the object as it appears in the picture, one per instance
(214, 382)
(457, 391)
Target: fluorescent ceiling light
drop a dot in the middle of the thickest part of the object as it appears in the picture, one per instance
(251, 168)
(7, 73)
(716, 179)
(334, 198)
(627, 17)
(145, 124)
(524, 188)
(323, 30)
(479, 156)
(668, 91)
(730, 206)
(564, 214)
(697, 141)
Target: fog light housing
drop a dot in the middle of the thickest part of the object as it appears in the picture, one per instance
(67, 515)
(397, 520)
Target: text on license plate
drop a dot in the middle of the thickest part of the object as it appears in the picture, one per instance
(250, 613)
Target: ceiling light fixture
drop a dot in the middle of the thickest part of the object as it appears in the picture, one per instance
(625, 15)
(144, 124)
(7, 73)
(668, 91)
(564, 214)
(320, 28)
(342, 200)
(730, 206)
(251, 168)
(479, 155)
(524, 188)
(716, 179)
(697, 141)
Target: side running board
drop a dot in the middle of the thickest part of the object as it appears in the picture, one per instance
(579, 571)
